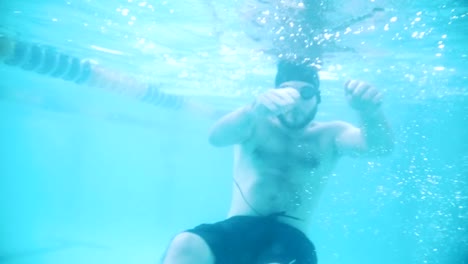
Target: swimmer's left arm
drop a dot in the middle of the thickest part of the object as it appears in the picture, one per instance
(374, 136)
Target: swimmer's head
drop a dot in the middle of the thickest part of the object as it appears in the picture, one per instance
(304, 78)
(301, 72)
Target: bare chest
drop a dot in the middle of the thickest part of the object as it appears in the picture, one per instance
(286, 152)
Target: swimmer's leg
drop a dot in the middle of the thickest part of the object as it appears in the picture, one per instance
(188, 248)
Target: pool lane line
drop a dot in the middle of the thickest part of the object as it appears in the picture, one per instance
(52, 62)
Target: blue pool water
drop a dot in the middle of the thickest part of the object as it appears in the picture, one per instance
(95, 175)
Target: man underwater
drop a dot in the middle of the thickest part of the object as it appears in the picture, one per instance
(282, 161)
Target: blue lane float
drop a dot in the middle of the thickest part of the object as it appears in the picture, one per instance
(50, 61)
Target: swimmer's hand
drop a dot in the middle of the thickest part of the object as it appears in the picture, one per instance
(362, 96)
(275, 102)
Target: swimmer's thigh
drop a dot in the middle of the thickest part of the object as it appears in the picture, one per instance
(188, 248)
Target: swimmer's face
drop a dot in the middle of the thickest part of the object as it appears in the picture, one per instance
(305, 109)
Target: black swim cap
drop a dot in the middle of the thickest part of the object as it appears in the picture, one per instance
(295, 70)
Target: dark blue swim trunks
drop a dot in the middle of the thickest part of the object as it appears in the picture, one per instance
(256, 240)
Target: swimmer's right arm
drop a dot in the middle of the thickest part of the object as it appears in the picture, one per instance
(234, 128)
(238, 126)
